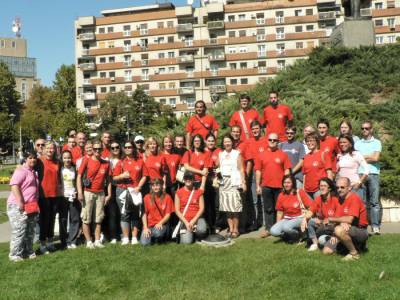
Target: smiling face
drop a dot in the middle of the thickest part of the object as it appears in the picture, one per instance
(179, 142)
(344, 128)
(106, 138)
(97, 148)
(200, 108)
(345, 145)
(196, 142)
(89, 149)
(228, 145)
(324, 188)
(244, 104)
(273, 141)
(49, 150)
(287, 184)
(323, 129)
(128, 149)
(256, 130)
(156, 187)
(167, 144)
(343, 187)
(67, 159)
(81, 139)
(235, 133)
(31, 161)
(210, 143)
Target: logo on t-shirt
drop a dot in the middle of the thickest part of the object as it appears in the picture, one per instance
(315, 163)
(261, 149)
(280, 116)
(330, 212)
(158, 164)
(201, 162)
(346, 210)
(172, 164)
(296, 204)
(294, 151)
(102, 171)
(137, 168)
(278, 160)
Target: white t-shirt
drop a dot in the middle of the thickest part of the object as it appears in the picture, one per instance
(68, 179)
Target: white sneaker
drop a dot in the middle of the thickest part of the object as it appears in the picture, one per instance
(125, 241)
(113, 241)
(71, 246)
(32, 256)
(134, 241)
(101, 238)
(43, 249)
(15, 258)
(89, 245)
(98, 244)
(376, 231)
(313, 247)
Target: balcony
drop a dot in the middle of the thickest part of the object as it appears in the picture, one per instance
(280, 36)
(262, 70)
(365, 12)
(144, 31)
(145, 77)
(185, 59)
(127, 48)
(262, 54)
(279, 20)
(187, 90)
(88, 36)
(280, 52)
(216, 57)
(329, 15)
(213, 42)
(85, 52)
(260, 37)
(213, 25)
(217, 89)
(88, 96)
(144, 62)
(86, 82)
(184, 27)
(91, 66)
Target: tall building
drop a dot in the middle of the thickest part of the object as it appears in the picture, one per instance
(13, 52)
(183, 54)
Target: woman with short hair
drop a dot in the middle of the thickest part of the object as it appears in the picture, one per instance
(23, 208)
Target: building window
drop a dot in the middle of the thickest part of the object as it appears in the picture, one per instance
(170, 39)
(102, 60)
(101, 45)
(113, 89)
(310, 27)
(170, 24)
(232, 34)
(309, 12)
(103, 90)
(161, 70)
(242, 33)
(242, 17)
(13, 44)
(231, 18)
(232, 66)
(298, 12)
(244, 81)
(162, 86)
(232, 50)
(161, 55)
(171, 85)
(190, 103)
(233, 81)
(111, 44)
(103, 74)
(111, 59)
(281, 64)
(378, 5)
(171, 54)
(160, 24)
(243, 65)
(243, 49)
(171, 69)
(299, 45)
(172, 101)
(298, 28)
(159, 40)
(111, 74)
(391, 4)
(379, 22)
(390, 22)
(110, 29)
(102, 30)
(391, 39)
(127, 75)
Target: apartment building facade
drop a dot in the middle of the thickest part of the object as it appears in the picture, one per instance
(13, 52)
(183, 54)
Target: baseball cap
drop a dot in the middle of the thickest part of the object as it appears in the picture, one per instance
(138, 138)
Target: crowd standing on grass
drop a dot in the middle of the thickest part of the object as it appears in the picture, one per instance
(147, 191)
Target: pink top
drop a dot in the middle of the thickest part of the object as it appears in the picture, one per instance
(349, 164)
(28, 182)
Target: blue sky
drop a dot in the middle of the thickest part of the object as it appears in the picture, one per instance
(48, 25)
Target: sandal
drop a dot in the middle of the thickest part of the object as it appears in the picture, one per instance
(235, 235)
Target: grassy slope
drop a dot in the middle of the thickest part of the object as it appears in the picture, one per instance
(3, 209)
(261, 269)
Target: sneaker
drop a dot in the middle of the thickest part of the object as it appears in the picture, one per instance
(125, 241)
(313, 247)
(32, 256)
(134, 241)
(376, 231)
(351, 257)
(113, 241)
(71, 246)
(50, 247)
(15, 258)
(98, 244)
(101, 238)
(89, 245)
(43, 249)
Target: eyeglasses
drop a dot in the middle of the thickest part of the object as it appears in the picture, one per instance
(365, 128)
(128, 147)
(40, 145)
(289, 133)
(115, 148)
(97, 149)
(139, 142)
(273, 140)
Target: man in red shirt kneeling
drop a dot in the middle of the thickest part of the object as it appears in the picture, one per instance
(351, 219)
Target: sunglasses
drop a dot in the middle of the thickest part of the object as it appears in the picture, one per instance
(341, 187)
(139, 142)
(97, 149)
(115, 148)
(273, 140)
(289, 132)
(365, 128)
(40, 145)
(128, 147)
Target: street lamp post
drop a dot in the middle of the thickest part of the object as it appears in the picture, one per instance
(12, 116)
(127, 120)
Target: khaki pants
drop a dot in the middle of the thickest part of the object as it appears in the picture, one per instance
(93, 207)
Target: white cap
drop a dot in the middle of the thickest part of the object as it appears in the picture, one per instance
(138, 138)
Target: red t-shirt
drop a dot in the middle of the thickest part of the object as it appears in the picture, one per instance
(77, 152)
(314, 168)
(51, 178)
(326, 209)
(213, 157)
(197, 160)
(194, 126)
(276, 118)
(136, 169)
(97, 172)
(353, 206)
(105, 154)
(290, 205)
(248, 116)
(330, 145)
(65, 147)
(255, 147)
(173, 161)
(272, 165)
(194, 205)
(156, 166)
(156, 211)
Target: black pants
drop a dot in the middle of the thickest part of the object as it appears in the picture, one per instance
(209, 204)
(270, 195)
(75, 222)
(49, 207)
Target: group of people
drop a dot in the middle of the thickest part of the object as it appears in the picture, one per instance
(184, 187)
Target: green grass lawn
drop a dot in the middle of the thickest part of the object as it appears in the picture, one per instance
(250, 269)
(4, 187)
(7, 170)
(3, 210)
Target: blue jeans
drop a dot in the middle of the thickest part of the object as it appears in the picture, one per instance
(372, 199)
(314, 195)
(256, 199)
(155, 236)
(315, 230)
(188, 237)
(287, 226)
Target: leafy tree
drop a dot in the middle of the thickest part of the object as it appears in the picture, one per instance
(64, 88)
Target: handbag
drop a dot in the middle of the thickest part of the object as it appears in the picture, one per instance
(31, 207)
(86, 181)
(180, 173)
(178, 226)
